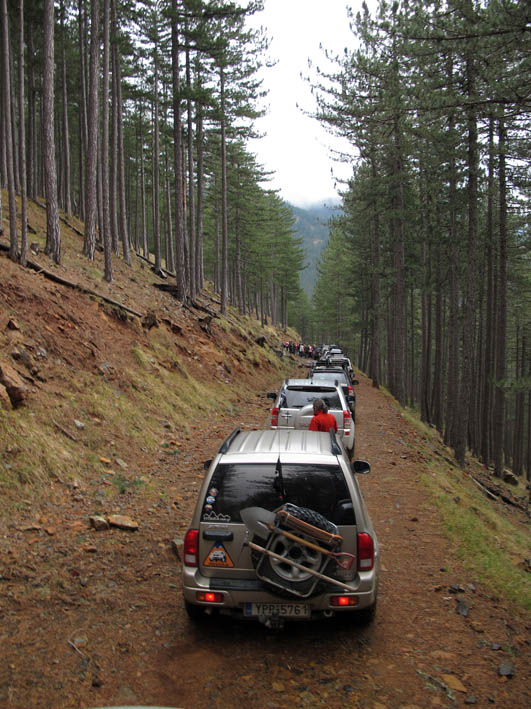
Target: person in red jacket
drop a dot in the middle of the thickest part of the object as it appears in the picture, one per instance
(322, 420)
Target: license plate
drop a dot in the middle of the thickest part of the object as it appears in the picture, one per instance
(284, 610)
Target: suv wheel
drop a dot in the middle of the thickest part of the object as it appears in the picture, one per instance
(283, 578)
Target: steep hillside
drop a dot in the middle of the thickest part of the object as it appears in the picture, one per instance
(90, 383)
(311, 225)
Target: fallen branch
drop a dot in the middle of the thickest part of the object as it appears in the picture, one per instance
(164, 270)
(63, 430)
(71, 226)
(483, 488)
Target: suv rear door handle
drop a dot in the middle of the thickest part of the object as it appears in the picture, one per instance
(214, 535)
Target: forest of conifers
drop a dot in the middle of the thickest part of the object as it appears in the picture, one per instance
(134, 116)
(427, 272)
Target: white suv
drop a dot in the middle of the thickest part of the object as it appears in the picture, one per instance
(280, 531)
(293, 407)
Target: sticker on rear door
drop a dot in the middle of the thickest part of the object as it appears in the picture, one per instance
(218, 556)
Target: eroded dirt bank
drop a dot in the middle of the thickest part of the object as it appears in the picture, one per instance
(96, 618)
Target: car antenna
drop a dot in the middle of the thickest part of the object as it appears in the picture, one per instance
(279, 480)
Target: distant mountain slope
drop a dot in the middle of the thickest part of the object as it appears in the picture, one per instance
(312, 225)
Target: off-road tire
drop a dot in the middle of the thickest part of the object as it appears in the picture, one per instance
(310, 517)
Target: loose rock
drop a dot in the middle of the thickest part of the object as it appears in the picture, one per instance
(122, 522)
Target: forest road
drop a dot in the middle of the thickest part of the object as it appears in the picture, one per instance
(93, 619)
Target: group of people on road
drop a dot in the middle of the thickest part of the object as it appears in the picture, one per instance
(302, 349)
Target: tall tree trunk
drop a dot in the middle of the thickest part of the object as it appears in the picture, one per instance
(156, 163)
(519, 413)
(199, 277)
(91, 176)
(488, 351)
(501, 319)
(124, 233)
(107, 239)
(53, 236)
(32, 119)
(22, 139)
(66, 139)
(191, 181)
(180, 273)
(374, 362)
(83, 117)
(465, 391)
(7, 137)
(224, 215)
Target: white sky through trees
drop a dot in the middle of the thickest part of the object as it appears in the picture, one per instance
(295, 146)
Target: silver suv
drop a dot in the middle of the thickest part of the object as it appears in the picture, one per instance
(280, 531)
(293, 407)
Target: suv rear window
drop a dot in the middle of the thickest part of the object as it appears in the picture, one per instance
(297, 398)
(341, 377)
(319, 487)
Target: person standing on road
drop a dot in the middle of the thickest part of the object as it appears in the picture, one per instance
(322, 420)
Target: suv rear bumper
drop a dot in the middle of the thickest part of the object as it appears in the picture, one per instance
(238, 592)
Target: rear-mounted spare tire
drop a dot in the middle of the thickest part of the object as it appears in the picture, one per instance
(282, 578)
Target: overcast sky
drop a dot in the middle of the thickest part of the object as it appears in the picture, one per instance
(295, 146)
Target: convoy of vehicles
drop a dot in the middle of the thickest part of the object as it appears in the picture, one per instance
(280, 530)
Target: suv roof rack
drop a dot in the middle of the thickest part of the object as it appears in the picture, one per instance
(336, 450)
(224, 447)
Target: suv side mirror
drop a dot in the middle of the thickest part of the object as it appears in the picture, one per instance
(271, 395)
(361, 467)
(355, 381)
(206, 464)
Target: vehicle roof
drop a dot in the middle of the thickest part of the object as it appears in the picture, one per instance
(306, 384)
(329, 370)
(290, 444)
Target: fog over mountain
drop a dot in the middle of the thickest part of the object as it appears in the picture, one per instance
(312, 226)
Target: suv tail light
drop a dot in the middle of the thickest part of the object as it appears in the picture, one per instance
(191, 548)
(347, 422)
(365, 552)
(274, 417)
(350, 389)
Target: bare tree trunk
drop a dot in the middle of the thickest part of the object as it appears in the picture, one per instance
(156, 164)
(501, 320)
(124, 234)
(465, 391)
(53, 236)
(91, 178)
(66, 140)
(22, 139)
(180, 273)
(83, 118)
(145, 249)
(488, 353)
(32, 117)
(199, 278)
(107, 242)
(191, 199)
(224, 216)
(7, 137)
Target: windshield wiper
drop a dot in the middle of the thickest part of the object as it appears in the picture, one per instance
(278, 483)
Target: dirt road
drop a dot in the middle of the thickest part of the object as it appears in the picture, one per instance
(93, 619)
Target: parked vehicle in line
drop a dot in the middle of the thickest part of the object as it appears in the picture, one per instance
(281, 532)
(293, 407)
(338, 376)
